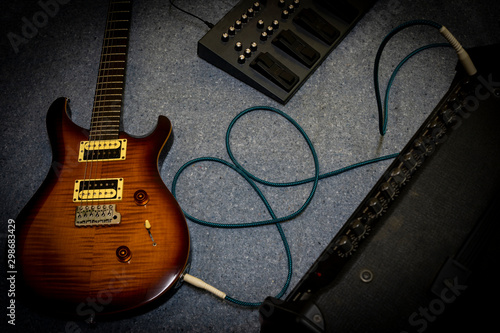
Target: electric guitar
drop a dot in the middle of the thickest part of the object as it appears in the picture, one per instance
(103, 234)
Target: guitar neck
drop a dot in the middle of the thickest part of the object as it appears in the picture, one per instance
(106, 113)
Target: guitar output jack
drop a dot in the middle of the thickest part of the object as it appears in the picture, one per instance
(123, 253)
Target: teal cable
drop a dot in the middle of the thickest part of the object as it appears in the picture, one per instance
(252, 180)
(382, 111)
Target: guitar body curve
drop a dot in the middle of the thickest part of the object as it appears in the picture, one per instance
(100, 268)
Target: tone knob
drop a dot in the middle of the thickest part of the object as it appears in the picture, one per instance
(123, 254)
(345, 245)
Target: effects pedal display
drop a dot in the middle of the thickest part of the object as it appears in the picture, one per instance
(275, 45)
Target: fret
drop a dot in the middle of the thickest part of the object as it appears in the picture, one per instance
(115, 53)
(112, 82)
(109, 75)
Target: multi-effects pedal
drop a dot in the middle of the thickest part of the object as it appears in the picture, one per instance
(275, 45)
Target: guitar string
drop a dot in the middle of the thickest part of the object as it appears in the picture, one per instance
(96, 133)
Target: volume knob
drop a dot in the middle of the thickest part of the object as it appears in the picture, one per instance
(358, 227)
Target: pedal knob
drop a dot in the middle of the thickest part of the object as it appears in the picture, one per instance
(253, 46)
(225, 37)
(238, 46)
(285, 14)
(256, 6)
(260, 24)
(263, 36)
(241, 59)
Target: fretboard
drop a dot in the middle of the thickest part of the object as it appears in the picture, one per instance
(106, 113)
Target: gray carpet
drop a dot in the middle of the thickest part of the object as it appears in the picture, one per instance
(336, 107)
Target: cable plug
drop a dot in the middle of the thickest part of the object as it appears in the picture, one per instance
(203, 285)
(463, 56)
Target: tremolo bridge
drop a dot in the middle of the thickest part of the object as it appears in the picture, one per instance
(96, 215)
(92, 191)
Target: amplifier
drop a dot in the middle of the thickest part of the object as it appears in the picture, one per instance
(418, 254)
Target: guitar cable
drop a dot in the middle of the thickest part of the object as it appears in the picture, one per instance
(464, 59)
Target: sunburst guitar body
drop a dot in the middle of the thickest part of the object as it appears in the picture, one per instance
(103, 234)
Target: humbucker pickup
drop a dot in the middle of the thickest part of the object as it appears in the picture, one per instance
(102, 150)
(96, 215)
(98, 189)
